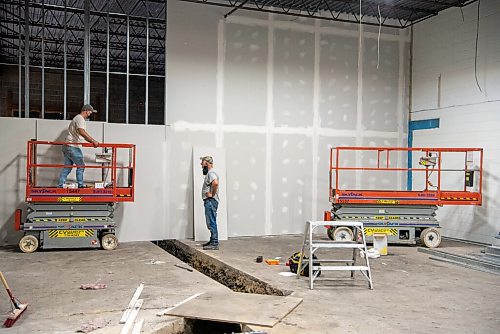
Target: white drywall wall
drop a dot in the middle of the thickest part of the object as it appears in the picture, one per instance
(14, 134)
(275, 94)
(285, 91)
(444, 47)
(144, 219)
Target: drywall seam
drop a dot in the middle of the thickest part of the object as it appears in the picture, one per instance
(316, 120)
(166, 182)
(187, 126)
(359, 106)
(290, 25)
(399, 110)
(259, 129)
(219, 118)
(269, 122)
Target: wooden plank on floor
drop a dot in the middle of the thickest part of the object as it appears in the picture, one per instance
(243, 308)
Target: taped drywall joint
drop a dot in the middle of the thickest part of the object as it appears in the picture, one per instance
(269, 123)
(316, 119)
(400, 109)
(219, 119)
(284, 130)
(359, 107)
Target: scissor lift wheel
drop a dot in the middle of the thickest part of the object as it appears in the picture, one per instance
(109, 241)
(343, 233)
(430, 237)
(28, 244)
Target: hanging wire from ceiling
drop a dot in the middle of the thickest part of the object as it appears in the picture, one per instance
(378, 37)
(477, 39)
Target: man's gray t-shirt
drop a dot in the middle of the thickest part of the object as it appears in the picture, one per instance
(207, 185)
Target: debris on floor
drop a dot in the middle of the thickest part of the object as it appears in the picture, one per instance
(132, 303)
(93, 286)
(129, 323)
(188, 269)
(372, 253)
(93, 325)
(164, 312)
(154, 262)
(287, 274)
(272, 262)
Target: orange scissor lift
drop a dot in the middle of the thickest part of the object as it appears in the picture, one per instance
(444, 176)
(72, 217)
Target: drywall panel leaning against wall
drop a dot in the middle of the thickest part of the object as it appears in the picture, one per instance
(179, 190)
(14, 133)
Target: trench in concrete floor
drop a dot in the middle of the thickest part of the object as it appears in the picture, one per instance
(233, 278)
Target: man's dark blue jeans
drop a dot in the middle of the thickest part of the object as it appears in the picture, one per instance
(211, 206)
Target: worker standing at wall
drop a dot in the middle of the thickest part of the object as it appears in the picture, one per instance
(73, 155)
(210, 195)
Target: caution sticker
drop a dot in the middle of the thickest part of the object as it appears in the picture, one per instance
(387, 201)
(372, 230)
(71, 233)
(69, 199)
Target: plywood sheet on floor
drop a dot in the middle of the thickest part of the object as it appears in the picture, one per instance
(243, 308)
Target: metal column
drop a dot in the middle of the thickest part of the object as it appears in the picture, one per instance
(26, 60)
(146, 103)
(86, 53)
(107, 64)
(43, 59)
(128, 70)
(20, 64)
(165, 119)
(65, 75)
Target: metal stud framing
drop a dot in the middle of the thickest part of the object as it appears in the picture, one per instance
(114, 37)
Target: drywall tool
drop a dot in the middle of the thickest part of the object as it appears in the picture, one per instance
(17, 307)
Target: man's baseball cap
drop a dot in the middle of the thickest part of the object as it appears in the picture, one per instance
(208, 159)
(88, 107)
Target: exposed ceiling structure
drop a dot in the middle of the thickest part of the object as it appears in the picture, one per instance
(129, 32)
(56, 29)
(389, 13)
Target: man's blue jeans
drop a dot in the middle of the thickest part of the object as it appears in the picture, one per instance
(211, 219)
(72, 156)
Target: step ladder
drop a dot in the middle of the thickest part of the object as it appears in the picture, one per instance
(312, 244)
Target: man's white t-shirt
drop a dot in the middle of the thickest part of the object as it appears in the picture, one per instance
(73, 136)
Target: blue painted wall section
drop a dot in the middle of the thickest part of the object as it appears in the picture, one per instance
(424, 124)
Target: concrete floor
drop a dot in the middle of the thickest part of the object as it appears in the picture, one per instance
(412, 293)
(49, 281)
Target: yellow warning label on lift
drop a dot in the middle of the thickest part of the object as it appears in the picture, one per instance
(57, 220)
(71, 233)
(389, 231)
(387, 201)
(69, 199)
(386, 217)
